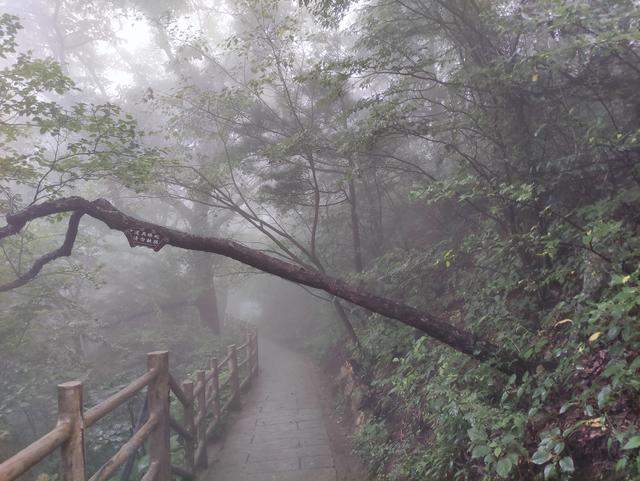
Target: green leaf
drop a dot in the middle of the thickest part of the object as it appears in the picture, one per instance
(503, 468)
(476, 434)
(566, 464)
(633, 443)
(541, 456)
(621, 464)
(565, 407)
(550, 471)
(480, 452)
(604, 396)
(558, 448)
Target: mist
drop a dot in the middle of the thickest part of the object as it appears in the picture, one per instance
(382, 241)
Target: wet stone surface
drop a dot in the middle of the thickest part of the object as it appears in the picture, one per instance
(280, 433)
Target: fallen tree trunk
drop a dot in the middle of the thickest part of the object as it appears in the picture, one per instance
(101, 209)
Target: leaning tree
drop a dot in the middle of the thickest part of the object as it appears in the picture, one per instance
(140, 232)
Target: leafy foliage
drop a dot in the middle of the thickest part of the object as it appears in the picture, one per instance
(531, 237)
(475, 159)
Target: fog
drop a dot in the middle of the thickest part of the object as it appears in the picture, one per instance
(424, 210)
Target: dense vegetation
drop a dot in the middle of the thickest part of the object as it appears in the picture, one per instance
(477, 160)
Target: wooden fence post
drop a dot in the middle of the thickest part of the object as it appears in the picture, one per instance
(249, 357)
(234, 380)
(255, 352)
(189, 444)
(201, 461)
(215, 388)
(72, 463)
(158, 401)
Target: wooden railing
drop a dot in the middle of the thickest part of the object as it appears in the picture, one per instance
(215, 391)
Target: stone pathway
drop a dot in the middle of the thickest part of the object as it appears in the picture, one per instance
(280, 433)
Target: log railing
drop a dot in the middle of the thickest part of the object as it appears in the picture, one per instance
(216, 390)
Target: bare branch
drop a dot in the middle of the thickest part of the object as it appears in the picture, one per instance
(63, 251)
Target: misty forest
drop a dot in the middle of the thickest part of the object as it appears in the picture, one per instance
(380, 240)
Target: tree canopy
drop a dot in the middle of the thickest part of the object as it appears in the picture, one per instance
(467, 168)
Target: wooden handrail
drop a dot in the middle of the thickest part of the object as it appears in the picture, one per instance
(179, 428)
(224, 361)
(213, 395)
(200, 421)
(212, 427)
(242, 363)
(127, 449)
(225, 407)
(177, 390)
(201, 454)
(143, 414)
(183, 473)
(234, 380)
(200, 385)
(225, 382)
(212, 372)
(197, 401)
(159, 446)
(187, 416)
(72, 466)
(151, 473)
(24, 460)
(112, 402)
(199, 417)
(245, 382)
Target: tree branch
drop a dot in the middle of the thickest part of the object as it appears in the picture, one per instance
(63, 251)
(459, 339)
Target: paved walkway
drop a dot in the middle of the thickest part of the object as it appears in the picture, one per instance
(280, 433)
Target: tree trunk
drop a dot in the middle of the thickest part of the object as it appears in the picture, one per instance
(342, 315)
(202, 267)
(207, 304)
(436, 327)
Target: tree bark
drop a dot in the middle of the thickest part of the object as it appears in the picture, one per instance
(342, 315)
(202, 267)
(459, 339)
(207, 304)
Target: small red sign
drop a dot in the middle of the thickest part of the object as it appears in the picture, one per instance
(145, 237)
